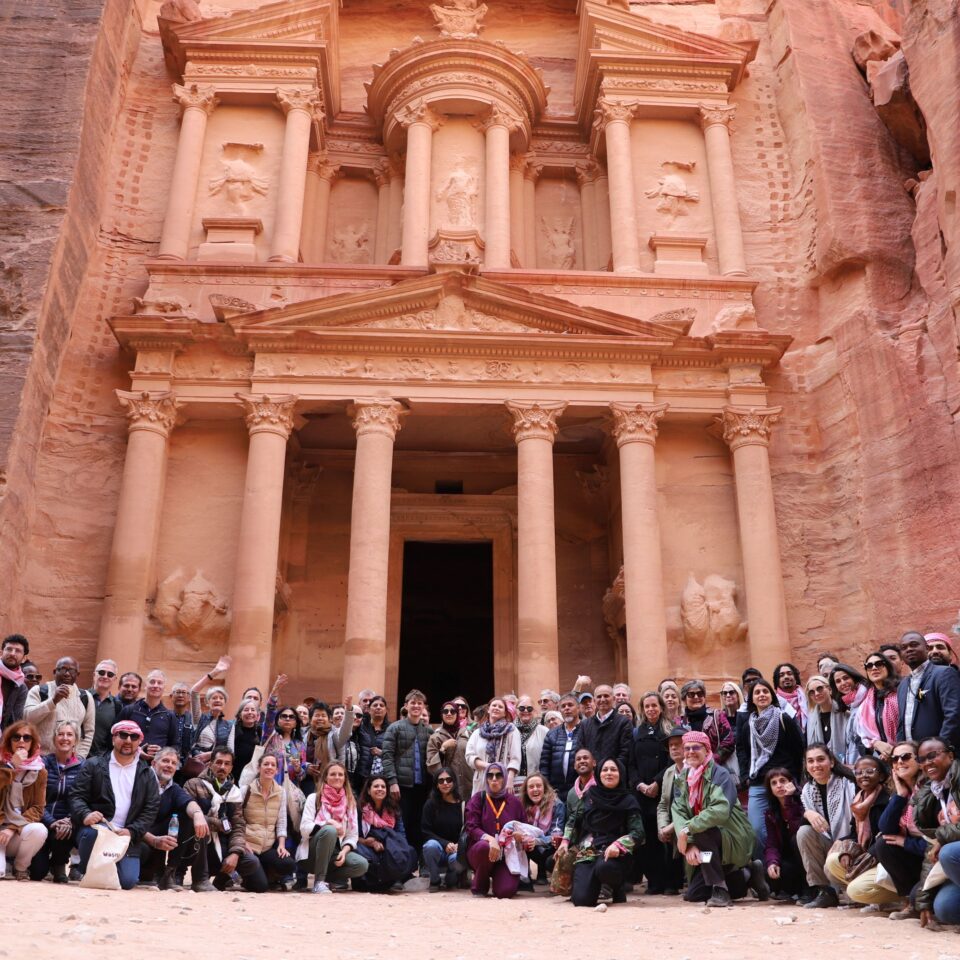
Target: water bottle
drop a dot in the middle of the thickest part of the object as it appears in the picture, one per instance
(174, 829)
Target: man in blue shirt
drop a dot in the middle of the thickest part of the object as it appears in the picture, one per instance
(159, 725)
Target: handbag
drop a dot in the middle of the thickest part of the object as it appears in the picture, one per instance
(561, 880)
(192, 767)
(108, 850)
(463, 841)
(295, 800)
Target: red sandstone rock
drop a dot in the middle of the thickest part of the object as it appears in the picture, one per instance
(890, 89)
(871, 45)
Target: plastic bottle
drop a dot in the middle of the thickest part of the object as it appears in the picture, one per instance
(174, 829)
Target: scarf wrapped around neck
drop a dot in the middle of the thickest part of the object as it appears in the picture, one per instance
(695, 784)
(867, 727)
(860, 807)
(838, 813)
(855, 697)
(387, 820)
(580, 791)
(31, 763)
(333, 804)
(764, 737)
(14, 676)
(495, 734)
(798, 703)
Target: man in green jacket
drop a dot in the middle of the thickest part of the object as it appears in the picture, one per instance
(712, 831)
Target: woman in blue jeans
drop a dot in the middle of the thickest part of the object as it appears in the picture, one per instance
(441, 825)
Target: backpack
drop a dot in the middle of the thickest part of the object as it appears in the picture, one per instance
(45, 694)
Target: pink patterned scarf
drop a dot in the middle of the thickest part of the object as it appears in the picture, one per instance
(867, 718)
(386, 820)
(333, 804)
(14, 676)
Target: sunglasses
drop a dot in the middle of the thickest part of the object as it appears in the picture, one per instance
(903, 757)
(287, 716)
(874, 665)
(696, 695)
(819, 689)
(22, 737)
(106, 673)
(461, 706)
(33, 676)
(124, 735)
(927, 757)
(494, 776)
(449, 710)
(524, 709)
(444, 779)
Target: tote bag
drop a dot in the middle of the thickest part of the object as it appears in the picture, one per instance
(108, 850)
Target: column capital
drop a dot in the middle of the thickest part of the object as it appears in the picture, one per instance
(636, 422)
(518, 162)
(154, 411)
(611, 111)
(200, 96)
(375, 415)
(588, 171)
(497, 116)
(419, 112)
(532, 167)
(536, 419)
(268, 414)
(382, 172)
(322, 167)
(307, 100)
(714, 113)
(748, 425)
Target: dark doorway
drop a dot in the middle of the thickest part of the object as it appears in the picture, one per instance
(446, 623)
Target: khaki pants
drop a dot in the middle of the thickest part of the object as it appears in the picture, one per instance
(862, 889)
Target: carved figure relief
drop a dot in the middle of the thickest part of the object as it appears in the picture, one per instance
(350, 243)
(673, 196)
(459, 18)
(191, 607)
(239, 182)
(558, 242)
(460, 194)
(450, 314)
(708, 613)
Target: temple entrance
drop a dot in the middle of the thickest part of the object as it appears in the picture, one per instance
(446, 625)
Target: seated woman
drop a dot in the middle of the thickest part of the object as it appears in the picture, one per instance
(606, 829)
(712, 831)
(784, 817)
(826, 795)
(487, 813)
(383, 842)
(329, 829)
(62, 765)
(544, 810)
(265, 814)
(441, 825)
(23, 794)
(901, 847)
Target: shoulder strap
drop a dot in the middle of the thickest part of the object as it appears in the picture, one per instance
(44, 692)
(84, 698)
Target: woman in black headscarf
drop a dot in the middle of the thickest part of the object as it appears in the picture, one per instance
(607, 827)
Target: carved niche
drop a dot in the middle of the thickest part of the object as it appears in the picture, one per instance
(192, 608)
(709, 614)
(459, 195)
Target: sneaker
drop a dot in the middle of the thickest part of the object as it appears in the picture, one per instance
(321, 886)
(907, 913)
(827, 897)
(757, 880)
(720, 898)
(781, 896)
(871, 908)
(75, 875)
(202, 886)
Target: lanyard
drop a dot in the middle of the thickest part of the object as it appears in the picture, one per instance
(496, 812)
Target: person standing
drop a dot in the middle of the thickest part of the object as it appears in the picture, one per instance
(607, 734)
(560, 747)
(13, 686)
(106, 706)
(158, 724)
(928, 697)
(49, 703)
(496, 740)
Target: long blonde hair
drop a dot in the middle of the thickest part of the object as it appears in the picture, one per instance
(347, 789)
(547, 801)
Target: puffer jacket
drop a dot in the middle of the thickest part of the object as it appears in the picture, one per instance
(551, 758)
(398, 752)
(59, 784)
(265, 817)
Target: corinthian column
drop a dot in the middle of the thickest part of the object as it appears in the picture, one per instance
(747, 431)
(151, 417)
(723, 189)
(420, 122)
(615, 119)
(397, 174)
(300, 106)
(496, 195)
(269, 421)
(376, 422)
(538, 656)
(635, 430)
(198, 103)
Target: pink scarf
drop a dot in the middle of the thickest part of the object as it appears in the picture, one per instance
(695, 784)
(542, 818)
(333, 804)
(580, 791)
(387, 820)
(15, 676)
(33, 763)
(797, 702)
(890, 718)
(860, 808)
(855, 697)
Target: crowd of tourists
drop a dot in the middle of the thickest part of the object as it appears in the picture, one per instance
(841, 788)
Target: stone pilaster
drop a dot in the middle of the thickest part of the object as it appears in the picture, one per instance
(716, 121)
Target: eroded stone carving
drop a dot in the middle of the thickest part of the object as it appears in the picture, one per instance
(163, 307)
(239, 182)
(350, 243)
(450, 314)
(459, 19)
(684, 316)
(180, 11)
(191, 607)
(460, 193)
(736, 316)
(708, 613)
(673, 194)
(559, 250)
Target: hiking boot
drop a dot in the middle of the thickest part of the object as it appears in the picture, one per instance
(202, 886)
(758, 881)
(60, 873)
(720, 898)
(827, 897)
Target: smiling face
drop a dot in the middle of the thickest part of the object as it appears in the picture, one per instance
(250, 714)
(166, 766)
(12, 654)
(319, 722)
(625, 710)
(694, 754)
(216, 701)
(534, 787)
(156, 681)
(671, 698)
(129, 687)
(603, 695)
(818, 764)
(496, 710)
(788, 680)
(609, 774)
(584, 764)
(867, 773)
(695, 698)
(104, 674)
(651, 710)
(415, 709)
(268, 766)
(935, 759)
(844, 682)
(65, 740)
(378, 791)
(729, 699)
(820, 694)
(876, 670)
(336, 777)
(904, 761)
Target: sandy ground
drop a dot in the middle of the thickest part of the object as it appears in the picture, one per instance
(53, 922)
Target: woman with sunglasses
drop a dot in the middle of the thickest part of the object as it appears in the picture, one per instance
(532, 734)
(447, 747)
(496, 740)
(23, 794)
(731, 699)
(849, 689)
(441, 825)
(487, 812)
(286, 744)
(937, 815)
(879, 713)
(827, 722)
(714, 723)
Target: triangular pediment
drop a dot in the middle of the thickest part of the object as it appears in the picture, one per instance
(288, 20)
(450, 304)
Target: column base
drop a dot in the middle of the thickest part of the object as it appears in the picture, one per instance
(281, 258)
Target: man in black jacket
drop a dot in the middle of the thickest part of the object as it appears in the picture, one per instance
(607, 734)
(929, 696)
(118, 790)
(106, 706)
(560, 747)
(13, 687)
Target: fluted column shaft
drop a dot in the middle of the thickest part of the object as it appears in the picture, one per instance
(376, 422)
(747, 431)
(198, 103)
(616, 118)
(635, 429)
(723, 189)
(300, 107)
(269, 420)
(420, 122)
(151, 418)
(534, 429)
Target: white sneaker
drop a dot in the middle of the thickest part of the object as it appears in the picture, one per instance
(321, 886)
(871, 908)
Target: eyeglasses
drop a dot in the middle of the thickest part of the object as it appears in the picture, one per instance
(819, 689)
(124, 735)
(106, 673)
(33, 676)
(449, 710)
(874, 665)
(524, 709)
(695, 749)
(903, 757)
(927, 757)
(494, 776)
(23, 737)
(446, 779)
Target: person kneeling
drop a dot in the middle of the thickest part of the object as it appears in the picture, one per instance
(383, 841)
(607, 826)
(712, 831)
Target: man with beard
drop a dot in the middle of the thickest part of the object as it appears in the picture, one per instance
(13, 687)
(786, 680)
(940, 650)
(130, 686)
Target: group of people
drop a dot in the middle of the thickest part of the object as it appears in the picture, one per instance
(843, 787)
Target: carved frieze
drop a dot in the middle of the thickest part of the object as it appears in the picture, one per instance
(249, 70)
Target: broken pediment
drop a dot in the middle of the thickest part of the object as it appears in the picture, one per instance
(286, 20)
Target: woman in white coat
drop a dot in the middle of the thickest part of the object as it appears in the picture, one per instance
(496, 740)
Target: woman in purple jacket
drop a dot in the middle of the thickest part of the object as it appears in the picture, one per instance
(784, 817)
(488, 812)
